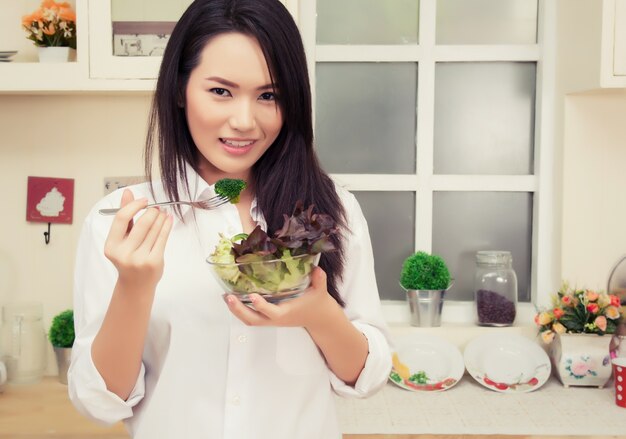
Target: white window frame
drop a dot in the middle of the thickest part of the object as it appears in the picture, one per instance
(544, 272)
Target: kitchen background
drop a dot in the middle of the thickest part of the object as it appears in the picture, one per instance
(90, 136)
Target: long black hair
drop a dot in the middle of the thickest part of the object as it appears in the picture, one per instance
(289, 170)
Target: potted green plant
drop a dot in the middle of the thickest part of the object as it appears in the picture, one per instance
(61, 335)
(425, 278)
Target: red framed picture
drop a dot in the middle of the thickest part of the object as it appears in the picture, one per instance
(50, 200)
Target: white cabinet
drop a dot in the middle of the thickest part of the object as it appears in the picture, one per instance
(613, 57)
(95, 68)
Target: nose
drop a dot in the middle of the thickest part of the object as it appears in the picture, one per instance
(242, 117)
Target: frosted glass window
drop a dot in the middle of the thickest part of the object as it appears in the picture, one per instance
(465, 222)
(391, 221)
(367, 21)
(484, 118)
(486, 21)
(366, 117)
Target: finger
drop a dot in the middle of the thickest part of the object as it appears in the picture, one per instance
(318, 279)
(153, 232)
(262, 306)
(244, 313)
(127, 197)
(141, 228)
(164, 233)
(123, 218)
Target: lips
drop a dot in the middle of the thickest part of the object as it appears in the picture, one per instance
(237, 146)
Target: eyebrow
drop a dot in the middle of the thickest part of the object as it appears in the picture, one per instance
(228, 83)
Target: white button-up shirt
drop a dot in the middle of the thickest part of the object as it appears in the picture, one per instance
(205, 374)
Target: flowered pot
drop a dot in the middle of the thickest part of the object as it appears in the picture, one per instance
(581, 359)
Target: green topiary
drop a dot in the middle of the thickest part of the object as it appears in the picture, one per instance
(61, 333)
(422, 271)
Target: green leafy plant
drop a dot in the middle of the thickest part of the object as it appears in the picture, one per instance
(61, 333)
(422, 271)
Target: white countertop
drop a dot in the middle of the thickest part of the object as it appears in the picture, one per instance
(469, 407)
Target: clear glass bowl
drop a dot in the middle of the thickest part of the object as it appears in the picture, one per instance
(275, 280)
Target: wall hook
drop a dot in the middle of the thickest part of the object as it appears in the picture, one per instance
(46, 235)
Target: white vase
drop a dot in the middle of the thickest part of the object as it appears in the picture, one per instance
(55, 54)
(581, 359)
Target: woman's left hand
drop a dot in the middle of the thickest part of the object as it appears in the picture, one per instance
(307, 310)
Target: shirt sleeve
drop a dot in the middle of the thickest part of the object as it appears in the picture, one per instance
(94, 280)
(363, 308)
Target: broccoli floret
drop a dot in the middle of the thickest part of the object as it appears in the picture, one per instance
(230, 188)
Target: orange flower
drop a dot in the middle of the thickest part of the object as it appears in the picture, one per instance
(567, 300)
(50, 30)
(66, 14)
(591, 296)
(558, 313)
(600, 322)
(544, 318)
(593, 308)
(612, 312)
(558, 328)
(614, 300)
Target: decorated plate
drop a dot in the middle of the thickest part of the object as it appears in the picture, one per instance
(426, 363)
(507, 363)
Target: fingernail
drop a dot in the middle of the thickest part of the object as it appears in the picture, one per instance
(253, 298)
(230, 299)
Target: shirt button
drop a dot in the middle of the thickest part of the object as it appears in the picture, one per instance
(242, 338)
(235, 400)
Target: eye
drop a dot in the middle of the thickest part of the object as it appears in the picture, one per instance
(268, 96)
(220, 91)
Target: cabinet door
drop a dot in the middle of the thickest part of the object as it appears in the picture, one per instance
(107, 61)
(619, 48)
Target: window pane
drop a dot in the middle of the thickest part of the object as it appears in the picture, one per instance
(392, 236)
(486, 21)
(366, 117)
(367, 21)
(484, 118)
(465, 222)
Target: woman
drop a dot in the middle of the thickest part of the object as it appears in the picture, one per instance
(156, 344)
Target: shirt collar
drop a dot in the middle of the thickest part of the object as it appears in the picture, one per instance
(199, 189)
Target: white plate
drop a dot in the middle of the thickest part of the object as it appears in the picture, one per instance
(507, 363)
(433, 363)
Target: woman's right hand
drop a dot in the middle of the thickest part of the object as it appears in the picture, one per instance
(136, 249)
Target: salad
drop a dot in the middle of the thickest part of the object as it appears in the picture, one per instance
(268, 265)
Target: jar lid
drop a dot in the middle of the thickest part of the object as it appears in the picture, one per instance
(494, 257)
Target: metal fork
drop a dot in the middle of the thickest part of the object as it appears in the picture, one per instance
(208, 204)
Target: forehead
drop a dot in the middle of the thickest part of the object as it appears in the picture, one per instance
(235, 57)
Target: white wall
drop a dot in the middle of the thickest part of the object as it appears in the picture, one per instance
(594, 181)
(82, 137)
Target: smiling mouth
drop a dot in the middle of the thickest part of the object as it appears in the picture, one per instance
(237, 143)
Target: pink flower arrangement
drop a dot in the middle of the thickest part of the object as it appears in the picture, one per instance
(579, 311)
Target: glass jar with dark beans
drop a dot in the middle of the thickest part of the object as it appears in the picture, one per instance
(495, 288)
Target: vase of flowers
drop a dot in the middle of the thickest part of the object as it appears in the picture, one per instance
(575, 328)
(52, 28)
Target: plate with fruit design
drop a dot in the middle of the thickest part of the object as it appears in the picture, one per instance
(426, 364)
(507, 363)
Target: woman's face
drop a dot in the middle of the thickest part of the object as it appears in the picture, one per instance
(231, 107)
